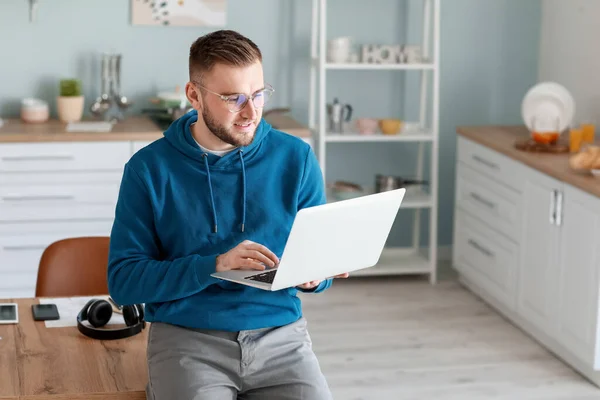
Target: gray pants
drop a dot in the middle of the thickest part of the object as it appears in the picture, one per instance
(270, 363)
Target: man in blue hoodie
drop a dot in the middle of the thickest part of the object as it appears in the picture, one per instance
(219, 192)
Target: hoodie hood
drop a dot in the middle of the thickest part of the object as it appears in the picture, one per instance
(179, 135)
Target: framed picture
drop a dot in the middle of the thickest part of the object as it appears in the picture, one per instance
(179, 12)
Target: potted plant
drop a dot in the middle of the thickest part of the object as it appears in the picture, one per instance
(70, 102)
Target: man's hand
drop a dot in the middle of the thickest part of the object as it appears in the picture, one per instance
(247, 255)
(314, 284)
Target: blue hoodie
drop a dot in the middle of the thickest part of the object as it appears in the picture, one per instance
(179, 208)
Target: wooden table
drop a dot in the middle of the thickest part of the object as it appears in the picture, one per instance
(60, 363)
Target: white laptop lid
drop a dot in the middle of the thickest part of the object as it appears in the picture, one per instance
(337, 237)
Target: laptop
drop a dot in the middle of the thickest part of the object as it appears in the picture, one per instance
(328, 240)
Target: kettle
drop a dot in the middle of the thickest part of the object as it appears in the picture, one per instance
(338, 114)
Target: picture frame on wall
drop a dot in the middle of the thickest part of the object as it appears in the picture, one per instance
(208, 13)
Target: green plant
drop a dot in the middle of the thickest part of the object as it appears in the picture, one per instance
(70, 87)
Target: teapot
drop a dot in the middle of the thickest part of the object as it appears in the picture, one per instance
(338, 114)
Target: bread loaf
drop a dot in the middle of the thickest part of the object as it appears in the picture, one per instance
(587, 159)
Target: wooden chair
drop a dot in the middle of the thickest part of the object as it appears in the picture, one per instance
(74, 267)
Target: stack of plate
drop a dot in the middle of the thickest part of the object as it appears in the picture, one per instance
(548, 107)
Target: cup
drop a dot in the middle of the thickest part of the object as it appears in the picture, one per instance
(339, 50)
(588, 132)
(575, 139)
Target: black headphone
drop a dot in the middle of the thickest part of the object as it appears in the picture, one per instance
(98, 312)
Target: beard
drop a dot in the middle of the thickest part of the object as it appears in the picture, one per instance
(227, 135)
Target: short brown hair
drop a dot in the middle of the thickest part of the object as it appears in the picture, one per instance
(224, 46)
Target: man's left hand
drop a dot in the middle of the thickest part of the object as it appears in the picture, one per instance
(314, 284)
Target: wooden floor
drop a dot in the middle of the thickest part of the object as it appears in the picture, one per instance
(401, 338)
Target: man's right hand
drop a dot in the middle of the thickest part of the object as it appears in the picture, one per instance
(247, 255)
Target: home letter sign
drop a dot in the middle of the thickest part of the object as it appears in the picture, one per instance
(382, 54)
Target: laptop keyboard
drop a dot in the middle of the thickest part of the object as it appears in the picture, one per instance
(266, 277)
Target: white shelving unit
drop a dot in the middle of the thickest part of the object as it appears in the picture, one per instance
(425, 132)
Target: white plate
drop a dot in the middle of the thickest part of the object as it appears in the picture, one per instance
(548, 107)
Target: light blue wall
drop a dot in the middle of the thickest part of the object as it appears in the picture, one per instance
(489, 58)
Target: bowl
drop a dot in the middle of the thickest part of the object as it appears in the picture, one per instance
(545, 137)
(390, 126)
(366, 126)
(341, 190)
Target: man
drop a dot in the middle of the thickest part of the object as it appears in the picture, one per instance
(219, 192)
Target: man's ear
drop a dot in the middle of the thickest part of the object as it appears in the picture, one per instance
(193, 96)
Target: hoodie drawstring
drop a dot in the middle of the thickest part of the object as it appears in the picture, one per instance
(212, 198)
(241, 153)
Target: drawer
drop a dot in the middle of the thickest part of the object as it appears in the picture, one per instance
(8, 294)
(493, 203)
(24, 292)
(71, 156)
(20, 257)
(486, 258)
(101, 227)
(18, 281)
(58, 202)
(64, 212)
(59, 178)
(22, 253)
(491, 164)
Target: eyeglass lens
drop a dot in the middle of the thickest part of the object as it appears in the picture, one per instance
(237, 102)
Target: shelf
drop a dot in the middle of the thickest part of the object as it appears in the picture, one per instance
(397, 261)
(378, 67)
(408, 135)
(414, 198)
(421, 132)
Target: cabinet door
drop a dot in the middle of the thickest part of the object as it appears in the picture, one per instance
(578, 277)
(539, 266)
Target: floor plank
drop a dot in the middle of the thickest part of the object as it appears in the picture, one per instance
(401, 338)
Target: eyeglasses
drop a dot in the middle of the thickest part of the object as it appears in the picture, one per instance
(236, 102)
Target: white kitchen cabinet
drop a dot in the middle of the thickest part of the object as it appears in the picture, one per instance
(52, 191)
(542, 273)
(578, 276)
(498, 205)
(487, 222)
(491, 165)
(20, 256)
(63, 156)
(486, 257)
(539, 263)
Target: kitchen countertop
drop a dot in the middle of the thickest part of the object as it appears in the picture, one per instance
(132, 128)
(502, 140)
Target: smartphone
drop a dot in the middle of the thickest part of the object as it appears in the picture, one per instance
(9, 313)
(44, 312)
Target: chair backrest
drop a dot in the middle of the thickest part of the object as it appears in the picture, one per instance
(74, 267)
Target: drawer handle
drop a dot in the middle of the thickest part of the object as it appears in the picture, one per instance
(485, 162)
(41, 157)
(38, 198)
(23, 247)
(483, 201)
(480, 248)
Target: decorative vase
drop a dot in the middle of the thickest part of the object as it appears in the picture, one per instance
(70, 108)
